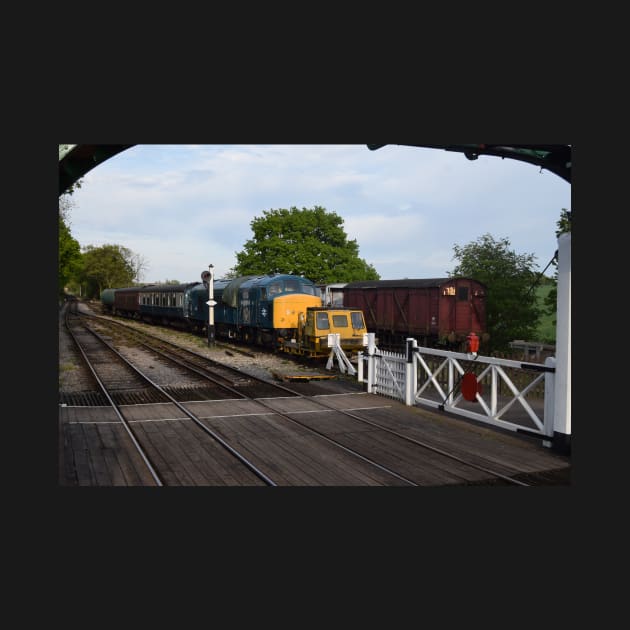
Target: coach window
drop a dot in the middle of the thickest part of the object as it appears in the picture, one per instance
(322, 321)
(340, 321)
(462, 294)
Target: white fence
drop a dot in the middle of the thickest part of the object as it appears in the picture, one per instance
(513, 395)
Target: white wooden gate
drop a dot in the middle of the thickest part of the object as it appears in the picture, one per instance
(513, 395)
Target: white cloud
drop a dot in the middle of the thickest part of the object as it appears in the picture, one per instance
(184, 206)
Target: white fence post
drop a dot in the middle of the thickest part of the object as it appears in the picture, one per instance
(550, 381)
(410, 373)
(562, 406)
(360, 367)
(371, 362)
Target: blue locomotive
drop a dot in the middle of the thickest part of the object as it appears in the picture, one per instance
(280, 311)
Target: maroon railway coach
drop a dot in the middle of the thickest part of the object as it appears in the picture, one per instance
(127, 302)
(435, 311)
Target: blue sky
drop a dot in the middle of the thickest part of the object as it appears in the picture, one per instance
(182, 207)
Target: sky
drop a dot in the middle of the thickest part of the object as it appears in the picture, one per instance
(184, 207)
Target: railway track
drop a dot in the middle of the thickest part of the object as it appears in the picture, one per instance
(271, 402)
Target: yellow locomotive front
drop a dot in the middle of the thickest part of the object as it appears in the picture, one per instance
(318, 322)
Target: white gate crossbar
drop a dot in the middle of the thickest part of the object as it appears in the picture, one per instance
(391, 371)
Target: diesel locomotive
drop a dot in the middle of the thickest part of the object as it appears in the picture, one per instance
(279, 311)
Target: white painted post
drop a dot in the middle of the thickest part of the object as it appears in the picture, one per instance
(211, 303)
(409, 383)
(550, 380)
(371, 362)
(360, 367)
(562, 400)
(451, 382)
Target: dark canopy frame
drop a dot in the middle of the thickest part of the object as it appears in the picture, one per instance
(75, 160)
(553, 157)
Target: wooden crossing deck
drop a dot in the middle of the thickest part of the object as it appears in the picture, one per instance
(95, 449)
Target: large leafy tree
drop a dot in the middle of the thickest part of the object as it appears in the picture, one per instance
(105, 267)
(563, 226)
(511, 308)
(310, 242)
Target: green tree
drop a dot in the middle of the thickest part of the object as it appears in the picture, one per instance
(69, 250)
(310, 242)
(69, 260)
(106, 267)
(511, 308)
(563, 225)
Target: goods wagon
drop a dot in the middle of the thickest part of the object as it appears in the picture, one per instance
(438, 312)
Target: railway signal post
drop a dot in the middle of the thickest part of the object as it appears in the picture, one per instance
(211, 304)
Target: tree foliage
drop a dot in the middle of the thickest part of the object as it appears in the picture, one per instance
(89, 270)
(511, 308)
(310, 242)
(68, 248)
(106, 267)
(563, 225)
(69, 255)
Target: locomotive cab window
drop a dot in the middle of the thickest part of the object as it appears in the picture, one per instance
(462, 294)
(357, 320)
(275, 288)
(322, 321)
(340, 321)
(291, 285)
